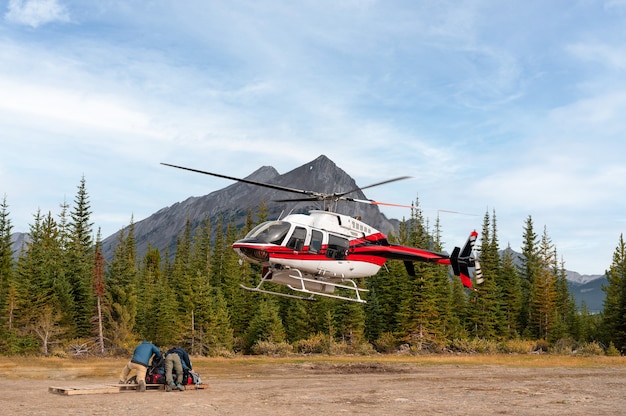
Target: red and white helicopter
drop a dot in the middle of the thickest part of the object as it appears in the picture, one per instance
(317, 253)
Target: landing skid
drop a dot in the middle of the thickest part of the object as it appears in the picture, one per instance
(303, 289)
(286, 295)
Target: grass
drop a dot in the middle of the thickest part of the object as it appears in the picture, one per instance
(67, 369)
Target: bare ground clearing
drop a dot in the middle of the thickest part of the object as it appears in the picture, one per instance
(477, 385)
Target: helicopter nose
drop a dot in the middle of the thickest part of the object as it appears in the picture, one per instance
(254, 254)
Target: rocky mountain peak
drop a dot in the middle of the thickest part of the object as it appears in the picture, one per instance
(162, 228)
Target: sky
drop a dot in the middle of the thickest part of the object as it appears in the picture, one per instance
(509, 108)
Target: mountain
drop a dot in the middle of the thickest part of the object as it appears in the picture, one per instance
(589, 292)
(585, 288)
(161, 229)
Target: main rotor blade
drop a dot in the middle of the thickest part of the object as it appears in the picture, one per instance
(387, 204)
(248, 181)
(310, 199)
(372, 185)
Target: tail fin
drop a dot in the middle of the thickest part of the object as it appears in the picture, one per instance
(462, 259)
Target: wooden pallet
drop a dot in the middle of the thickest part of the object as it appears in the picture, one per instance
(202, 386)
(100, 389)
(113, 388)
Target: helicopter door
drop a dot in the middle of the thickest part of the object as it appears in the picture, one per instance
(296, 241)
(315, 246)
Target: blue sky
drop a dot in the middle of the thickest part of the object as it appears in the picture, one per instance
(512, 106)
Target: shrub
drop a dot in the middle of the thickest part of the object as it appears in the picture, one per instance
(612, 351)
(272, 348)
(564, 346)
(541, 345)
(386, 343)
(590, 349)
(314, 344)
(517, 346)
(221, 352)
(474, 345)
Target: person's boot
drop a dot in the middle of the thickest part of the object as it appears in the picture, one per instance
(142, 386)
(169, 387)
(180, 387)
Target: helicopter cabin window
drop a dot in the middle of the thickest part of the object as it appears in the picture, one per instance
(315, 246)
(337, 247)
(273, 232)
(296, 241)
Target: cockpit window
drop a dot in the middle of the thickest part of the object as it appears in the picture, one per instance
(269, 232)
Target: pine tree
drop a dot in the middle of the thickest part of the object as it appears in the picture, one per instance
(122, 277)
(43, 293)
(80, 260)
(511, 295)
(528, 270)
(8, 290)
(99, 290)
(545, 290)
(349, 319)
(485, 315)
(6, 265)
(614, 314)
(219, 337)
(420, 323)
(201, 295)
(265, 325)
(181, 284)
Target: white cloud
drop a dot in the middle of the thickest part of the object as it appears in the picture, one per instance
(35, 13)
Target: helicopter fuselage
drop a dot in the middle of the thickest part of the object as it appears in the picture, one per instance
(320, 245)
(316, 254)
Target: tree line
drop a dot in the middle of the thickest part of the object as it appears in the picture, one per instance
(61, 297)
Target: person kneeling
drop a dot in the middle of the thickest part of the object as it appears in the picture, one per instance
(176, 360)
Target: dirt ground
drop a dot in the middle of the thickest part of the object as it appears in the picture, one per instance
(327, 387)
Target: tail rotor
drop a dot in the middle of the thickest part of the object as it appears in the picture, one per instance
(462, 260)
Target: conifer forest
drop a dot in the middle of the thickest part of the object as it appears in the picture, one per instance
(58, 296)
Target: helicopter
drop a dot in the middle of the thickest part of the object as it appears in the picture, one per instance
(317, 253)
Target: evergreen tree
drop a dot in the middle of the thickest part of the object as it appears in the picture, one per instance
(614, 314)
(528, 270)
(200, 298)
(122, 277)
(80, 261)
(181, 283)
(219, 337)
(544, 295)
(511, 295)
(349, 322)
(6, 266)
(296, 320)
(419, 319)
(485, 315)
(99, 290)
(44, 293)
(265, 325)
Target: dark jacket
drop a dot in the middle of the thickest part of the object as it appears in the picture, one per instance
(144, 352)
(184, 357)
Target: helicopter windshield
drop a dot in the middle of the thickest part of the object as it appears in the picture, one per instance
(269, 232)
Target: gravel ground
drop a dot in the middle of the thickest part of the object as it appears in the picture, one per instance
(355, 388)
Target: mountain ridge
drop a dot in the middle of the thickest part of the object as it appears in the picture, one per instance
(161, 229)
